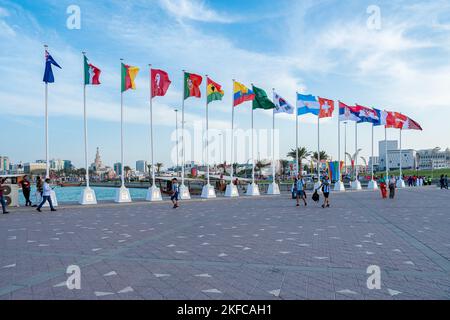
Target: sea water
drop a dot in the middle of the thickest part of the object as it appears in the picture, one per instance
(72, 194)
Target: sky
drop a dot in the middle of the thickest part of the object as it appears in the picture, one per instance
(333, 49)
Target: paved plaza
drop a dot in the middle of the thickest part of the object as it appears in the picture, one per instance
(246, 248)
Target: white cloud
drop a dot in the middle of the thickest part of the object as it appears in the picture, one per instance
(193, 10)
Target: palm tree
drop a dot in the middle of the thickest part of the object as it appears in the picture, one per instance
(323, 156)
(259, 165)
(283, 165)
(159, 165)
(303, 153)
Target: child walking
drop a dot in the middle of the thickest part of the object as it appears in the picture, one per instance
(300, 190)
(175, 193)
(326, 187)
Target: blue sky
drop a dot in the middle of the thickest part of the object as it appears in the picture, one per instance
(320, 47)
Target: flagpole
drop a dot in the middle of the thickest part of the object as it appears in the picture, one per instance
(182, 132)
(151, 130)
(232, 134)
(85, 132)
(121, 141)
(345, 147)
(386, 151)
(318, 147)
(253, 153)
(296, 139)
(356, 151)
(47, 164)
(231, 190)
(207, 132)
(273, 139)
(339, 147)
(372, 152)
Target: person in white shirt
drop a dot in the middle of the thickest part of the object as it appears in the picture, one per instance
(46, 196)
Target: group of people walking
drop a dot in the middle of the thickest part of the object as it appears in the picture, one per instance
(43, 193)
(299, 190)
(389, 184)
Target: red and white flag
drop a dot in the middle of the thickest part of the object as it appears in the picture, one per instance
(326, 107)
(160, 82)
(410, 124)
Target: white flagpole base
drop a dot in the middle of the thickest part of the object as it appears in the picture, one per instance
(252, 190)
(274, 189)
(356, 185)
(400, 184)
(184, 193)
(88, 197)
(122, 195)
(373, 185)
(339, 186)
(153, 194)
(208, 192)
(231, 191)
(54, 199)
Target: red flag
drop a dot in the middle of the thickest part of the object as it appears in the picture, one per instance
(160, 82)
(326, 108)
(395, 120)
(410, 124)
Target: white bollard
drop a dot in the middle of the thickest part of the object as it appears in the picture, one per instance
(184, 193)
(252, 190)
(401, 184)
(208, 192)
(122, 195)
(274, 189)
(231, 191)
(339, 186)
(153, 194)
(356, 185)
(373, 185)
(88, 197)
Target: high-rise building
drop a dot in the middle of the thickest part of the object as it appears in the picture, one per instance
(118, 168)
(141, 166)
(4, 164)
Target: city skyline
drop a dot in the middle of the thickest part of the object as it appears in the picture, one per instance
(402, 66)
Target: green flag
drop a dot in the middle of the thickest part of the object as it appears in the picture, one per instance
(261, 100)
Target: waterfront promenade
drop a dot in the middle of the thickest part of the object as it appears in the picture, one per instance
(246, 248)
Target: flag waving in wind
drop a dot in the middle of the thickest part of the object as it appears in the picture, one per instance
(261, 100)
(281, 105)
(160, 82)
(366, 114)
(48, 74)
(307, 104)
(347, 113)
(91, 73)
(326, 108)
(129, 74)
(214, 91)
(410, 124)
(192, 84)
(241, 94)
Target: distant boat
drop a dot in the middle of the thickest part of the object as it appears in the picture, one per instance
(69, 184)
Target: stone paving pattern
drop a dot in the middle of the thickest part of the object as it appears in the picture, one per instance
(246, 248)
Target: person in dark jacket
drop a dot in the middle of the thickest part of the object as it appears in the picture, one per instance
(26, 190)
(2, 198)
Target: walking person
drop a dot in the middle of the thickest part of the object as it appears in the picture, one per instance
(300, 190)
(326, 188)
(26, 190)
(175, 193)
(2, 198)
(392, 186)
(46, 195)
(39, 189)
(383, 187)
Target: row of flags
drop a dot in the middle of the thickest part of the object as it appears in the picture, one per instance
(305, 104)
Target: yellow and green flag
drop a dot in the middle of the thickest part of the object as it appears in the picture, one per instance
(214, 91)
(128, 74)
